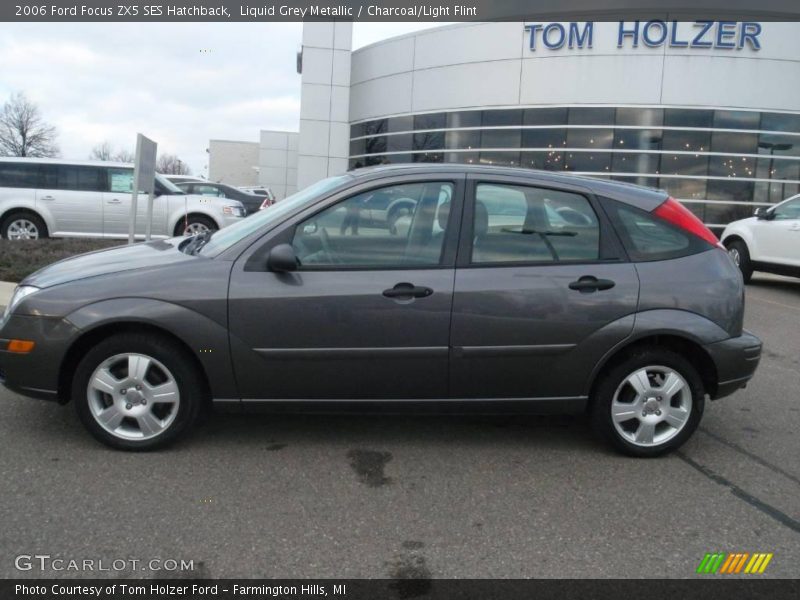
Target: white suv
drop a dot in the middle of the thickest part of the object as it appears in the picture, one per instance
(56, 198)
(768, 241)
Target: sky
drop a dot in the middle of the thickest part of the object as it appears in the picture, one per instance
(180, 84)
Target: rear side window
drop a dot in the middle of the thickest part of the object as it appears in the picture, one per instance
(522, 224)
(74, 178)
(648, 238)
(18, 175)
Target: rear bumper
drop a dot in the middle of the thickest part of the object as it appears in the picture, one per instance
(736, 360)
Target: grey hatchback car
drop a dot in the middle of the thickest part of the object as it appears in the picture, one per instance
(499, 290)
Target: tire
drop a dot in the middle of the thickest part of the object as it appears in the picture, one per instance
(672, 417)
(23, 225)
(195, 225)
(164, 406)
(738, 251)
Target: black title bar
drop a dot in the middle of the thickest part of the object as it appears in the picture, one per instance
(394, 10)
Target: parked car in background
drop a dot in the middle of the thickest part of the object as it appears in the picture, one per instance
(259, 190)
(597, 296)
(251, 202)
(769, 241)
(42, 198)
(183, 178)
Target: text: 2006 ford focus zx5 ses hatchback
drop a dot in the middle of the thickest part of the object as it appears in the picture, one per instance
(494, 289)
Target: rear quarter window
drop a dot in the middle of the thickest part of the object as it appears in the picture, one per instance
(648, 238)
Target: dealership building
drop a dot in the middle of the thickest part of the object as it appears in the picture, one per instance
(709, 111)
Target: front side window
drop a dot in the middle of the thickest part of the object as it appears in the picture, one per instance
(208, 190)
(788, 211)
(391, 227)
(120, 180)
(521, 224)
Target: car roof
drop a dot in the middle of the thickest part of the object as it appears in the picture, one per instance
(62, 161)
(647, 198)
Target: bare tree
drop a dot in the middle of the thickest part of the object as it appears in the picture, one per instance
(23, 132)
(125, 156)
(105, 151)
(170, 164)
(102, 151)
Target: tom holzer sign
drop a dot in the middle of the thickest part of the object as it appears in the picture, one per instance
(730, 35)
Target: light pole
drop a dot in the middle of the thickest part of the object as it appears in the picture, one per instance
(772, 147)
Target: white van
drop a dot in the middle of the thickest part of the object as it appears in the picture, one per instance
(42, 198)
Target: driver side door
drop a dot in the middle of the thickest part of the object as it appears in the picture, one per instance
(367, 313)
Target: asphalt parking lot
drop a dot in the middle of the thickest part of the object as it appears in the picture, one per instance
(428, 497)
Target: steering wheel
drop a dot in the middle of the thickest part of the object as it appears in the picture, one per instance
(325, 241)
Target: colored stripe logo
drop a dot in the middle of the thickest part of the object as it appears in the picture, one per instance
(723, 563)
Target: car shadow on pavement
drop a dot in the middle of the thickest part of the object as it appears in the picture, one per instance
(396, 429)
(786, 284)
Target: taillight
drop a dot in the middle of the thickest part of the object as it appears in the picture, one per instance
(676, 213)
(264, 204)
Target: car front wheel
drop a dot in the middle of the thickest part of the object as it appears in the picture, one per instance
(137, 392)
(649, 404)
(740, 255)
(195, 225)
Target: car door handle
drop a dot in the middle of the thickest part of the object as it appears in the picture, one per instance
(588, 284)
(407, 290)
(114, 201)
(48, 198)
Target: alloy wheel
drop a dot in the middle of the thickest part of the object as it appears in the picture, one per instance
(195, 228)
(23, 229)
(651, 406)
(736, 256)
(133, 396)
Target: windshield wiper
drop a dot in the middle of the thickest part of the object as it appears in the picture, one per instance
(536, 232)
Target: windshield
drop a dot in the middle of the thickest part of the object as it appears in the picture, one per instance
(225, 238)
(171, 187)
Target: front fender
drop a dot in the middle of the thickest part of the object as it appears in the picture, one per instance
(175, 216)
(205, 338)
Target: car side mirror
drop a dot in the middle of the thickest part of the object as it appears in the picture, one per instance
(282, 259)
(764, 214)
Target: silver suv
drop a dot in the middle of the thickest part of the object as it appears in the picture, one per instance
(42, 198)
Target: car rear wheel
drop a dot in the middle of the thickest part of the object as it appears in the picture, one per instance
(741, 257)
(650, 404)
(23, 226)
(137, 392)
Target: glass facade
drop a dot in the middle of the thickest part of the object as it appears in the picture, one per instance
(721, 163)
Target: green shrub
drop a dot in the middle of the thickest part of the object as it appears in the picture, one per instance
(20, 258)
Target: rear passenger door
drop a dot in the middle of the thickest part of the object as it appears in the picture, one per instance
(73, 195)
(542, 291)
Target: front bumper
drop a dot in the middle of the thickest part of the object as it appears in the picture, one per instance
(736, 360)
(35, 374)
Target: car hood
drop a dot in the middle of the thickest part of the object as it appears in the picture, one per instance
(741, 222)
(113, 260)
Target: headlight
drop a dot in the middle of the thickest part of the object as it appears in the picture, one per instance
(19, 293)
(236, 211)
